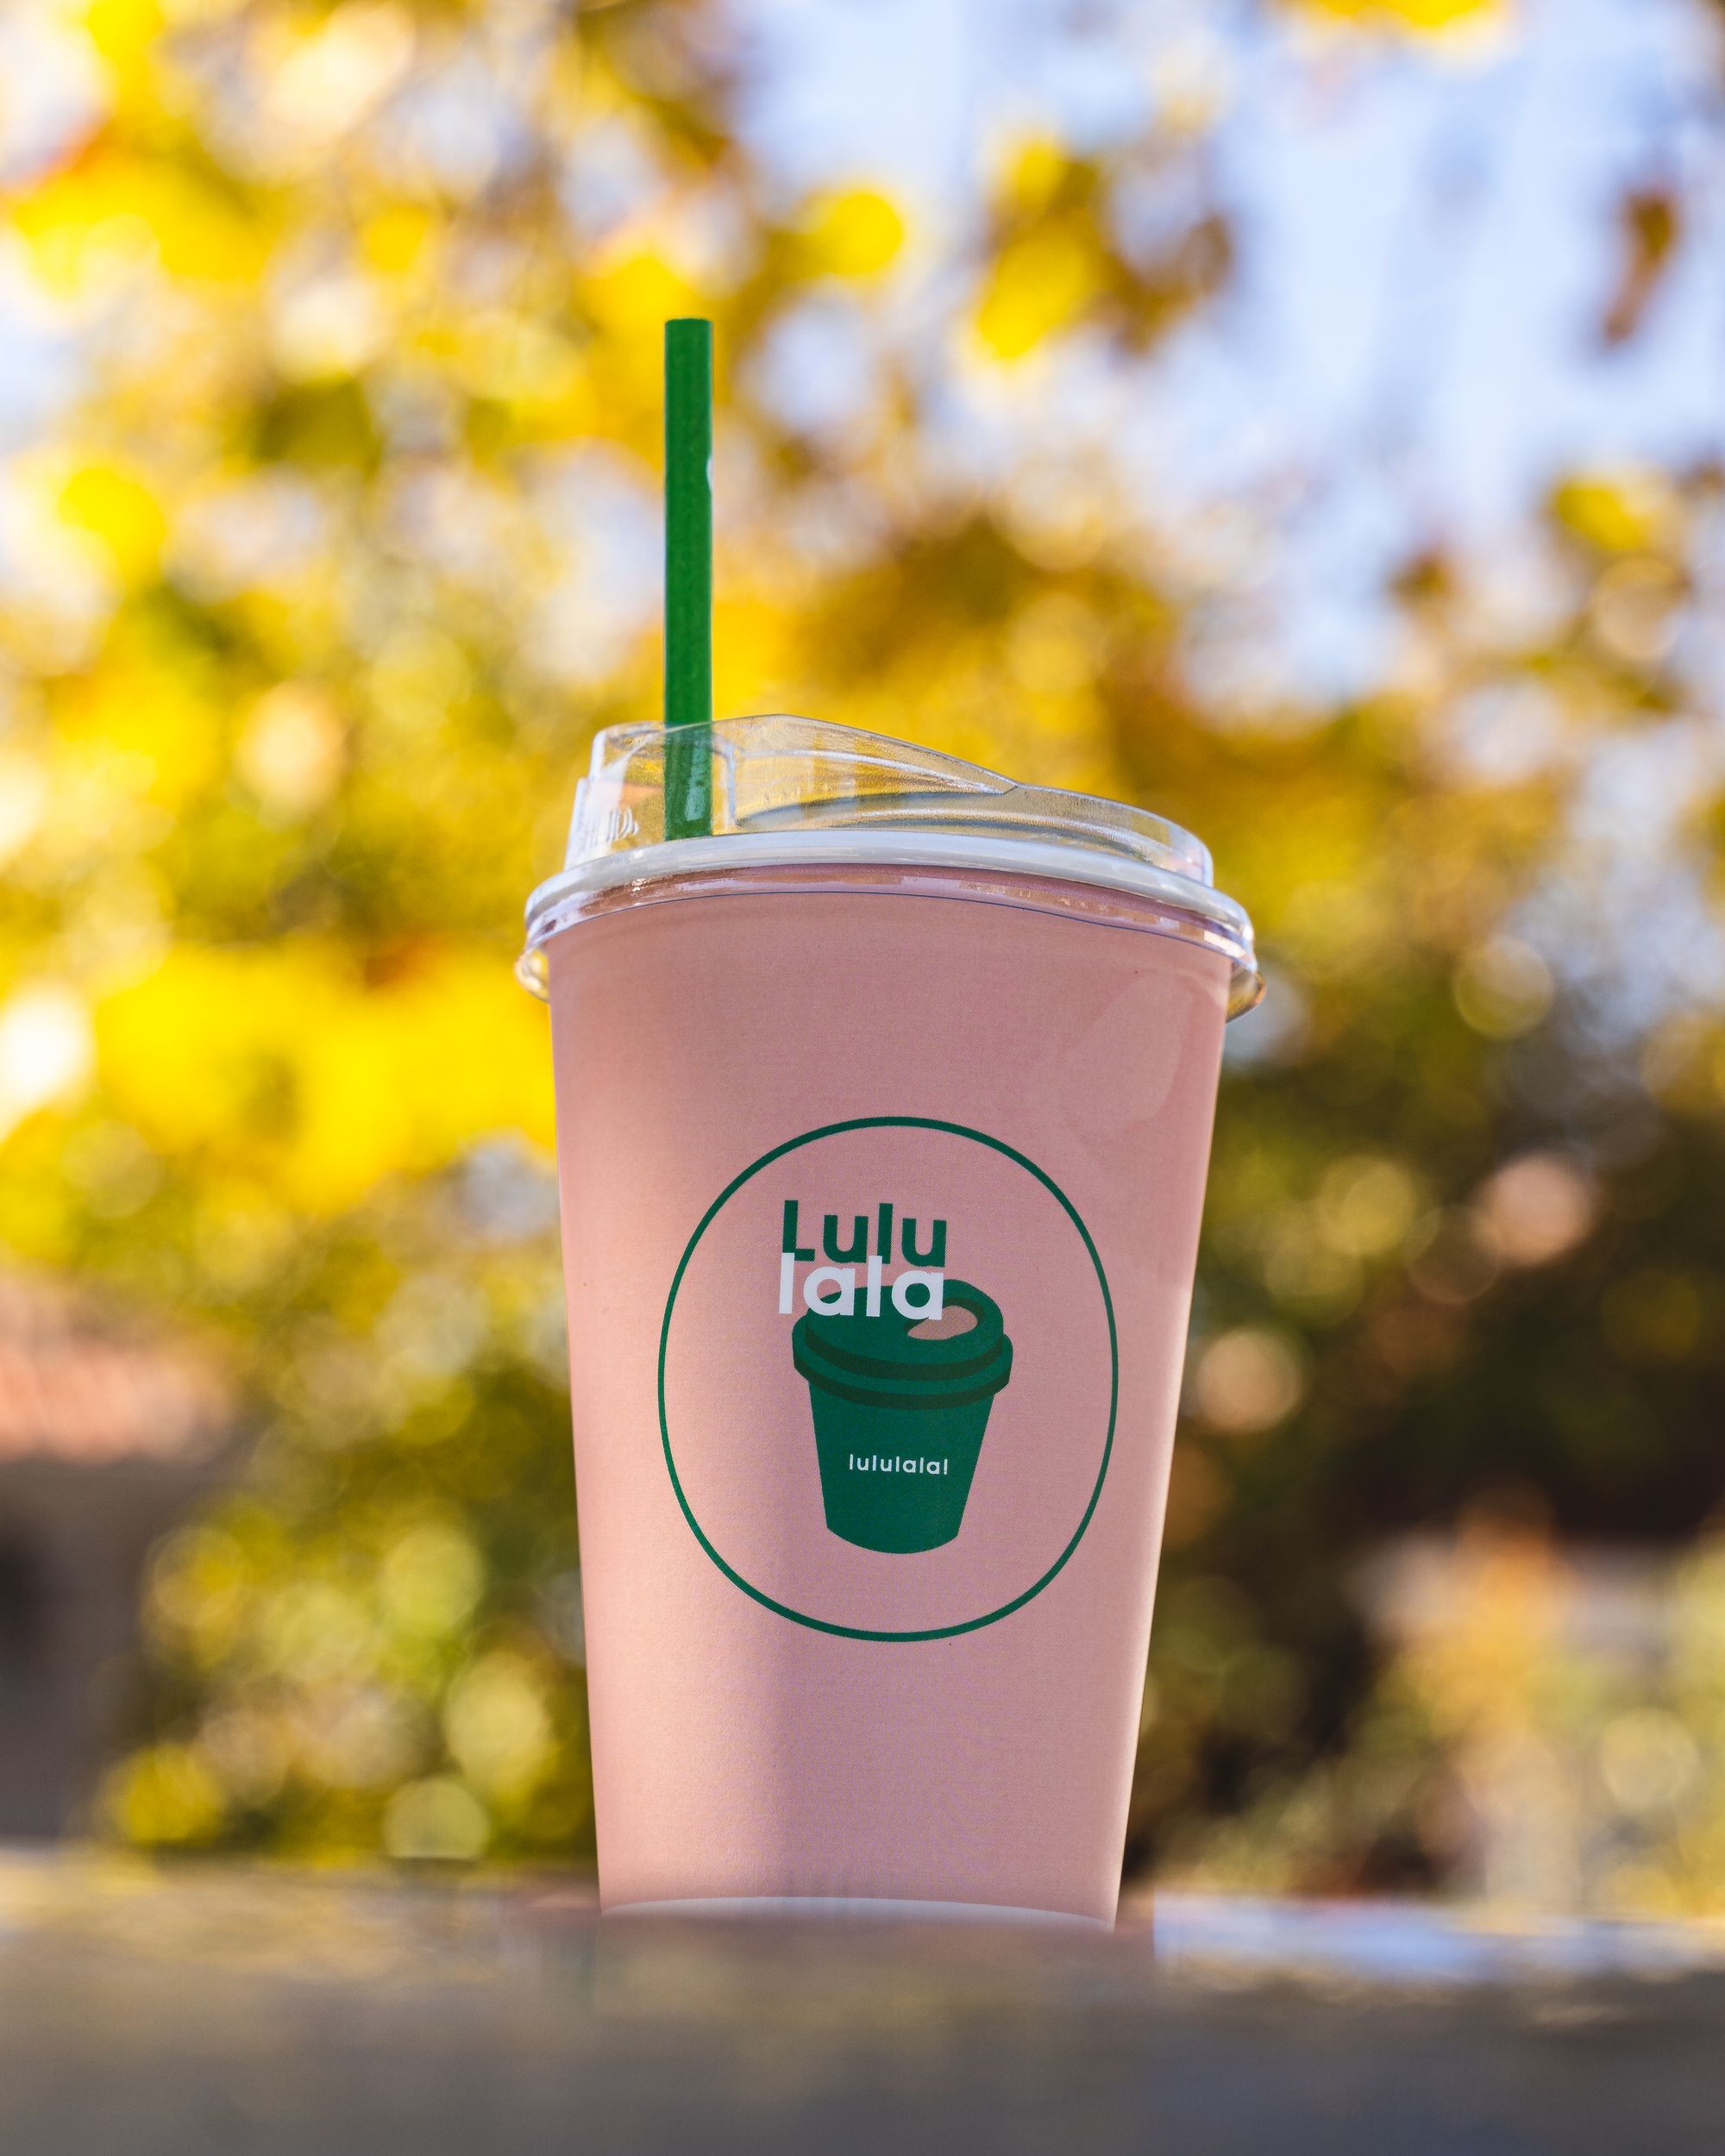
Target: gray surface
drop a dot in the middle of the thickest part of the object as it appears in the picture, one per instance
(209, 2009)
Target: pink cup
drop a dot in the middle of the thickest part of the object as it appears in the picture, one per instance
(883, 1117)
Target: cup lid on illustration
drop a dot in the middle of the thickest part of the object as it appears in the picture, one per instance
(891, 1359)
(661, 803)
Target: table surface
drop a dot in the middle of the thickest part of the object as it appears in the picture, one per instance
(172, 2010)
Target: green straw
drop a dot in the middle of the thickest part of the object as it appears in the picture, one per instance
(688, 577)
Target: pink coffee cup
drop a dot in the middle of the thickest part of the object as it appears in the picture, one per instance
(883, 1117)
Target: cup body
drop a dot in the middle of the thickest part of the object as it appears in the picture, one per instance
(880, 1210)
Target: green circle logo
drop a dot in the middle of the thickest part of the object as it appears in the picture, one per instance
(863, 1369)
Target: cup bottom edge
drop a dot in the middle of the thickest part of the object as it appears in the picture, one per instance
(867, 1908)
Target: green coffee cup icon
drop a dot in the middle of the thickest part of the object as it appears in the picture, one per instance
(900, 1409)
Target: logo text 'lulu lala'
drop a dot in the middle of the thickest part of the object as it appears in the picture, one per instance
(875, 1465)
(917, 1291)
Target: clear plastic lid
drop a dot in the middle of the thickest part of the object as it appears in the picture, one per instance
(781, 792)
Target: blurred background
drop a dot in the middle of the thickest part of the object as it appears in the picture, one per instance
(1307, 419)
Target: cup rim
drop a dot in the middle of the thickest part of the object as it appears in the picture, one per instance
(683, 869)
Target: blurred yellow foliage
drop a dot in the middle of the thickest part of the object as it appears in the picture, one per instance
(518, 362)
(635, 295)
(398, 237)
(166, 1797)
(140, 729)
(1417, 17)
(499, 1726)
(856, 232)
(1040, 284)
(433, 1579)
(439, 1817)
(120, 512)
(111, 211)
(124, 32)
(282, 1063)
(1626, 512)
(1483, 1672)
(1032, 171)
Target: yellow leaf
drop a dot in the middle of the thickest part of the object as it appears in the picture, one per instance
(855, 234)
(1418, 18)
(120, 512)
(637, 295)
(396, 238)
(1034, 168)
(1626, 512)
(1041, 283)
(122, 31)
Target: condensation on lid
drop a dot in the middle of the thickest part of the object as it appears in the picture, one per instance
(800, 792)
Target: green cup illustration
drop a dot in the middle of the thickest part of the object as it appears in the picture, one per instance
(899, 1415)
